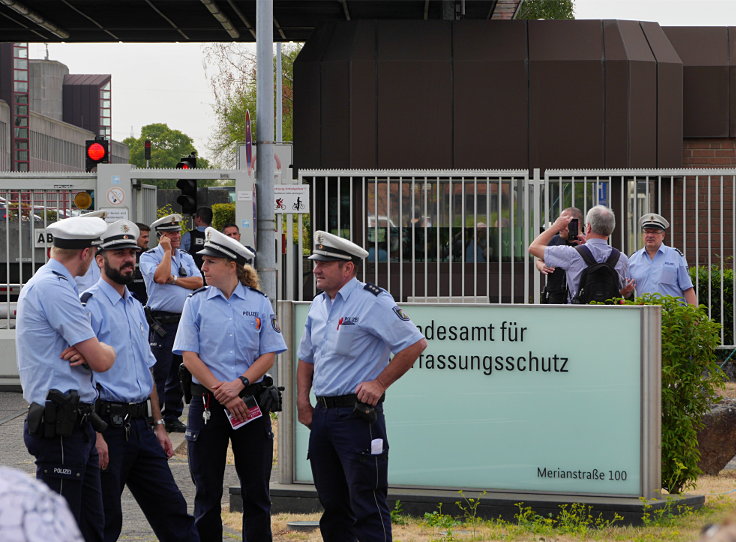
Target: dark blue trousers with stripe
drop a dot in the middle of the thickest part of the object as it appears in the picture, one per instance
(351, 481)
(70, 466)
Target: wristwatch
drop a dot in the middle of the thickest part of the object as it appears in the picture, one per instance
(245, 381)
(160, 422)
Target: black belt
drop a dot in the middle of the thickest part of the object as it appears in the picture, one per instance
(337, 401)
(166, 317)
(131, 410)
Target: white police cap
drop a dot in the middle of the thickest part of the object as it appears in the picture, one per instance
(167, 223)
(653, 220)
(331, 248)
(120, 234)
(77, 232)
(219, 245)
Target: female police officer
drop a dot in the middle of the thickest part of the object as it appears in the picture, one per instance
(229, 337)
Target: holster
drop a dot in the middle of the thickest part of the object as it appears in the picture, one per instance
(185, 380)
(154, 324)
(270, 396)
(35, 419)
(365, 411)
(60, 413)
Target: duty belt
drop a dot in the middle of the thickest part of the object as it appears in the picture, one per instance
(127, 410)
(166, 317)
(337, 401)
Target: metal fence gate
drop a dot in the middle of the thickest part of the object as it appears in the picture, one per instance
(462, 235)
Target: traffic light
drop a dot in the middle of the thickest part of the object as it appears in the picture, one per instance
(187, 162)
(188, 187)
(95, 152)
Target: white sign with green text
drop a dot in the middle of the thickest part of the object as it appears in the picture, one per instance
(526, 398)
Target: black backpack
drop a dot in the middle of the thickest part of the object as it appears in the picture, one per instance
(600, 280)
(555, 291)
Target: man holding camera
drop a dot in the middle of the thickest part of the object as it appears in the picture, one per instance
(555, 290)
(600, 223)
(350, 332)
(170, 275)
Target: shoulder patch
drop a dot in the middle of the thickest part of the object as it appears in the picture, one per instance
(257, 291)
(202, 289)
(85, 297)
(275, 323)
(401, 314)
(150, 251)
(59, 275)
(372, 288)
(679, 251)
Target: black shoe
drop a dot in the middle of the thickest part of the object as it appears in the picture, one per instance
(175, 426)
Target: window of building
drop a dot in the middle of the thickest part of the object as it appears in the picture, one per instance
(19, 109)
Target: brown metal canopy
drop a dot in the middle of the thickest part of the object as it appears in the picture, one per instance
(77, 21)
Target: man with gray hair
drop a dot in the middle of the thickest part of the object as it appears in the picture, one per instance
(600, 223)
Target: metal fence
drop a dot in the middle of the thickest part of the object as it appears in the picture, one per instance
(462, 235)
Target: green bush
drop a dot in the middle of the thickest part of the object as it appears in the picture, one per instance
(222, 213)
(699, 276)
(690, 377)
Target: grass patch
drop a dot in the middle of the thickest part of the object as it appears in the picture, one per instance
(573, 523)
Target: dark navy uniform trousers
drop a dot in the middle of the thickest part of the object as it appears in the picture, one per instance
(351, 482)
(253, 452)
(70, 466)
(166, 372)
(140, 463)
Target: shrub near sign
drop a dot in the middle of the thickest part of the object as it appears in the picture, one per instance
(550, 399)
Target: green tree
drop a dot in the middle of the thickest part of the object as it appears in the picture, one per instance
(168, 146)
(231, 70)
(547, 9)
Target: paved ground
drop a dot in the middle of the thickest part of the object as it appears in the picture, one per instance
(135, 527)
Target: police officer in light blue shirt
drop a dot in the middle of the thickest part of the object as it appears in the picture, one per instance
(57, 353)
(130, 452)
(170, 276)
(229, 337)
(657, 268)
(345, 357)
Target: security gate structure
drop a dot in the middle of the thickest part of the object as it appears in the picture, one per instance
(462, 235)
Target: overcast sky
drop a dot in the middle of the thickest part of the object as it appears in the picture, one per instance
(166, 83)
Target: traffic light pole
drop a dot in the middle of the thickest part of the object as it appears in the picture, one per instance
(266, 242)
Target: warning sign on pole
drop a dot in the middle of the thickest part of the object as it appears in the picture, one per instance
(291, 198)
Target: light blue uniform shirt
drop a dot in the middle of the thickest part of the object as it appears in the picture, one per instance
(567, 258)
(50, 318)
(186, 239)
(666, 274)
(90, 278)
(166, 297)
(120, 322)
(350, 339)
(228, 334)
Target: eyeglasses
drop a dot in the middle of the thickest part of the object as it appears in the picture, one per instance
(653, 230)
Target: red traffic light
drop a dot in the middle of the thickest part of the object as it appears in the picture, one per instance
(96, 152)
(182, 165)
